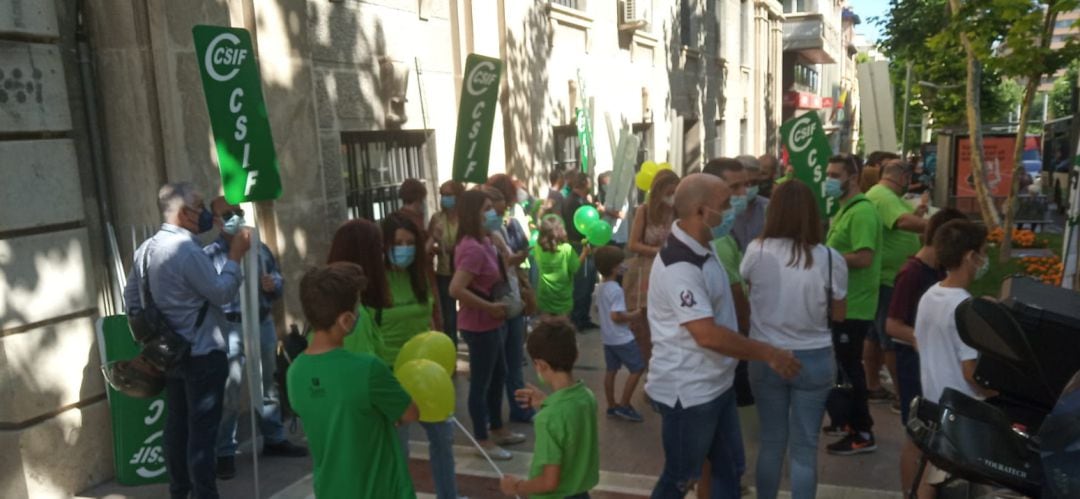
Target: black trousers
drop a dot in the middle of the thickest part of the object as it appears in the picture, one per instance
(194, 390)
(847, 404)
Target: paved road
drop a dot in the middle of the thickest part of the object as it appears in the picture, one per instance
(630, 458)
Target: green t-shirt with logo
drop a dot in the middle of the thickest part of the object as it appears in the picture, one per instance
(349, 403)
(727, 251)
(555, 292)
(406, 316)
(566, 436)
(897, 245)
(856, 226)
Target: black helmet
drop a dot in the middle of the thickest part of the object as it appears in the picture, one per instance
(135, 378)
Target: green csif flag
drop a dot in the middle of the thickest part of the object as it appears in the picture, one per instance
(584, 130)
(234, 98)
(809, 151)
(476, 118)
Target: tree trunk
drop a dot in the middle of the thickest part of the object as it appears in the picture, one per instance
(974, 118)
(1021, 131)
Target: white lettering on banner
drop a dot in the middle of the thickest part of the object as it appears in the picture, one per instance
(241, 128)
(156, 410)
(247, 154)
(234, 100)
(252, 175)
(484, 75)
(150, 457)
(225, 56)
(801, 134)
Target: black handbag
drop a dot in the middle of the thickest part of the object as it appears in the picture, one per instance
(162, 347)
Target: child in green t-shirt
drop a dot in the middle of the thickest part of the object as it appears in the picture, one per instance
(566, 456)
(348, 402)
(557, 264)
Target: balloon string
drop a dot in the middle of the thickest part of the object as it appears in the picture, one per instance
(478, 447)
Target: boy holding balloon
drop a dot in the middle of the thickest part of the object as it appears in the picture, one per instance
(566, 456)
(558, 263)
(348, 402)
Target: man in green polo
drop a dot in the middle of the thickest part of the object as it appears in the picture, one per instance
(901, 224)
(855, 232)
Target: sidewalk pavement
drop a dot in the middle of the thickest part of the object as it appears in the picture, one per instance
(630, 454)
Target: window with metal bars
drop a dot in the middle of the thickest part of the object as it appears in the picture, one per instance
(573, 4)
(377, 162)
(567, 148)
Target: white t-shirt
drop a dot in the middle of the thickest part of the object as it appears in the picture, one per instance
(940, 348)
(790, 304)
(610, 298)
(687, 284)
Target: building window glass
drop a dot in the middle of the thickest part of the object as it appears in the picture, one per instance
(745, 35)
(377, 162)
(806, 76)
(686, 16)
(792, 6)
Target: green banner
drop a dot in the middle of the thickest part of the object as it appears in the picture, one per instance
(809, 151)
(234, 98)
(138, 424)
(476, 117)
(584, 131)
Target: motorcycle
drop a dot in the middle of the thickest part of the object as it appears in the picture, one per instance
(1026, 439)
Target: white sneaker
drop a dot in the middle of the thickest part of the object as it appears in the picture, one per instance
(497, 453)
(509, 438)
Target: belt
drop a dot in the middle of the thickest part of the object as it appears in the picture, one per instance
(237, 317)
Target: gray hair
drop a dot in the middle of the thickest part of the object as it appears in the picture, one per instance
(176, 195)
(749, 162)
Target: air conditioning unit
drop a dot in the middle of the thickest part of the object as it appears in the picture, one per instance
(634, 14)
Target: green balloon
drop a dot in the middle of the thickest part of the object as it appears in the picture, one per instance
(599, 233)
(430, 388)
(432, 345)
(584, 217)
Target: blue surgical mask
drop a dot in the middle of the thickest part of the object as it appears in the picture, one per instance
(233, 225)
(402, 256)
(206, 221)
(448, 202)
(751, 193)
(738, 203)
(833, 188)
(725, 225)
(492, 222)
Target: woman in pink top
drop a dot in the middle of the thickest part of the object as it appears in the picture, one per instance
(482, 320)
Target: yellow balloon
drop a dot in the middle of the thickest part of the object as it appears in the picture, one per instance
(430, 388)
(650, 166)
(433, 346)
(643, 180)
(663, 166)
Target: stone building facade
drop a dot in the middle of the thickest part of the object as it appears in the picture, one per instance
(101, 102)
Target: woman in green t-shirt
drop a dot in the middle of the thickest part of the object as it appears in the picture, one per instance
(409, 314)
(355, 241)
(557, 263)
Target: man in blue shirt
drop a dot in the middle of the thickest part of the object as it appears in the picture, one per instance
(188, 291)
(270, 284)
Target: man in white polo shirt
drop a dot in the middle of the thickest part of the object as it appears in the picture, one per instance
(695, 347)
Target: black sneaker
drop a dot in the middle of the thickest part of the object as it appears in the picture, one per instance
(226, 468)
(284, 448)
(852, 444)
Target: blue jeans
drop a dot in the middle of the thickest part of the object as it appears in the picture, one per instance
(487, 375)
(878, 335)
(448, 306)
(440, 453)
(908, 382)
(269, 415)
(692, 434)
(584, 283)
(193, 392)
(790, 413)
(515, 358)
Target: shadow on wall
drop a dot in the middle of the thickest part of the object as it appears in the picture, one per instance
(695, 77)
(527, 99)
(50, 368)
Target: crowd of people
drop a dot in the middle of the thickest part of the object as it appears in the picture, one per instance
(727, 288)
